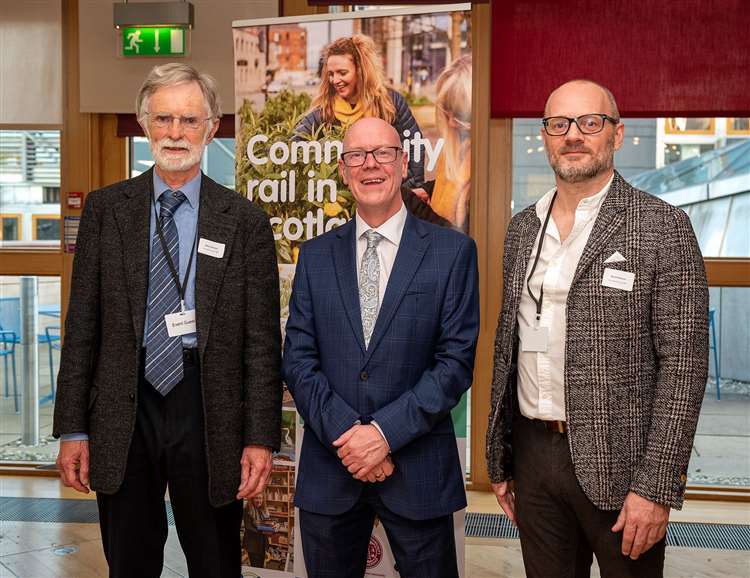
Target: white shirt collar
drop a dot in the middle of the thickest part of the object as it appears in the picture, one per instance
(392, 229)
(592, 203)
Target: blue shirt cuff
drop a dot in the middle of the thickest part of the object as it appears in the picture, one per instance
(74, 437)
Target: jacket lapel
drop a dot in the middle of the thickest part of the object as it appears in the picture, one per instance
(528, 231)
(411, 251)
(345, 265)
(132, 217)
(216, 224)
(611, 217)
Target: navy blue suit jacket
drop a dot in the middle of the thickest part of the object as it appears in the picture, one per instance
(418, 364)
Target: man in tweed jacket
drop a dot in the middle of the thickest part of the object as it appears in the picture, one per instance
(601, 356)
(205, 426)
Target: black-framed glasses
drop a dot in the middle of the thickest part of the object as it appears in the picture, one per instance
(382, 155)
(163, 120)
(586, 123)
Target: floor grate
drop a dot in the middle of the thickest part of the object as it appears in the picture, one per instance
(680, 534)
(55, 510)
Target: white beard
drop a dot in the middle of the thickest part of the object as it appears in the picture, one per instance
(174, 163)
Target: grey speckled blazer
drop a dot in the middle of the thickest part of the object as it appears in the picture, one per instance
(237, 308)
(635, 362)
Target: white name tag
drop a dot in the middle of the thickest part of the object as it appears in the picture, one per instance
(534, 338)
(211, 248)
(180, 323)
(618, 279)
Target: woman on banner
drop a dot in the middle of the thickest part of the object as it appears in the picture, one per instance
(450, 192)
(352, 86)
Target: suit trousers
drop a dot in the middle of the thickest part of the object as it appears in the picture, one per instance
(337, 546)
(559, 527)
(168, 451)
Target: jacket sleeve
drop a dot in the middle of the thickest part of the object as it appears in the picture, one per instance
(82, 328)
(262, 352)
(679, 319)
(405, 121)
(323, 410)
(439, 389)
(498, 443)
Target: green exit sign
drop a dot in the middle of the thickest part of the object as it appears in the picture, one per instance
(160, 41)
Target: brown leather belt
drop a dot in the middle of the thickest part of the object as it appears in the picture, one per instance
(555, 426)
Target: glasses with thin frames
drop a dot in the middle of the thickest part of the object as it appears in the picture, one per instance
(382, 155)
(191, 123)
(587, 123)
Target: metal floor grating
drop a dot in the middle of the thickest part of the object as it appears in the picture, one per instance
(680, 534)
(55, 510)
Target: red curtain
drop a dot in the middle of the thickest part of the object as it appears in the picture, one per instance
(658, 57)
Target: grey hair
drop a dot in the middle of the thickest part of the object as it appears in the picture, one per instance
(173, 74)
(608, 93)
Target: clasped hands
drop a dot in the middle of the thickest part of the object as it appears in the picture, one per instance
(364, 452)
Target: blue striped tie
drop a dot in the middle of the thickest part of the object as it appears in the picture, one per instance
(164, 353)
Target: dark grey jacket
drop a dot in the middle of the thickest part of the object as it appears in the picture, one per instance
(237, 308)
(636, 362)
(404, 121)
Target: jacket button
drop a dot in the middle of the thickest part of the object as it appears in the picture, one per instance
(131, 396)
(364, 376)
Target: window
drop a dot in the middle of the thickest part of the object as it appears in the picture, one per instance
(46, 227)
(27, 429)
(10, 227)
(690, 126)
(29, 187)
(739, 125)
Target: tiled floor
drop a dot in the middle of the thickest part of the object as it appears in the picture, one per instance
(36, 549)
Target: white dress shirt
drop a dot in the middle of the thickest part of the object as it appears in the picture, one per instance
(391, 230)
(541, 374)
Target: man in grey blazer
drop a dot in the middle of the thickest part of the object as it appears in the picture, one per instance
(169, 376)
(601, 356)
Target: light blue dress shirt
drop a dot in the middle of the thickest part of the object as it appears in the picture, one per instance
(186, 219)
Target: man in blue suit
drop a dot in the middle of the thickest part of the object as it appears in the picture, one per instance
(380, 344)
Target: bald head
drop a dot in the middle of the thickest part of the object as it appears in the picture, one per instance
(582, 89)
(370, 132)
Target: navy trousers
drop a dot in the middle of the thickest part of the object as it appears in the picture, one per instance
(336, 546)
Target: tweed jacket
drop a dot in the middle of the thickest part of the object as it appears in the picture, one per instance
(237, 309)
(636, 362)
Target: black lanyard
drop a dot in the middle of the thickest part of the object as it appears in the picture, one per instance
(181, 288)
(538, 302)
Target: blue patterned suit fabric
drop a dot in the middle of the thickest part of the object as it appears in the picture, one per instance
(164, 353)
(418, 364)
(369, 281)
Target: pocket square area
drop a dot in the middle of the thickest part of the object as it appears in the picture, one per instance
(615, 257)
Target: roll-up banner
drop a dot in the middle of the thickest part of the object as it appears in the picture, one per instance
(291, 119)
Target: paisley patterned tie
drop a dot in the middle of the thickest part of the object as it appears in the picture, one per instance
(369, 281)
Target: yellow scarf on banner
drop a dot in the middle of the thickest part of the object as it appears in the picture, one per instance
(345, 113)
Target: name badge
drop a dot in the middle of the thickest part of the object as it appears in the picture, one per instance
(618, 279)
(180, 323)
(211, 248)
(534, 338)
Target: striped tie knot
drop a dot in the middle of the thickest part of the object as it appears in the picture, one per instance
(170, 201)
